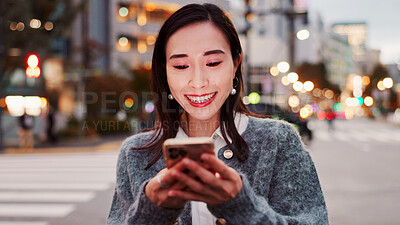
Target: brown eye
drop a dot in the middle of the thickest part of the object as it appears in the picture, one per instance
(213, 64)
(181, 67)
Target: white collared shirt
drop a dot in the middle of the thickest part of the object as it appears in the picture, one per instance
(200, 213)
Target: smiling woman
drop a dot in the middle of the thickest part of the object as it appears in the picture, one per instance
(260, 173)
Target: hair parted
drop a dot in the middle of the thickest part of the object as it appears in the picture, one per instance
(169, 112)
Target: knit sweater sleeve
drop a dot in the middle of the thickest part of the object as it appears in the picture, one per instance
(293, 196)
(130, 204)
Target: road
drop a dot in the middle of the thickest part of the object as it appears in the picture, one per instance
(56, 189)
(357, 163)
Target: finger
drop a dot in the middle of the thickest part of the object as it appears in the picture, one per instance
(202, 173)
(217, 165)
(167, 179)
(195, 185)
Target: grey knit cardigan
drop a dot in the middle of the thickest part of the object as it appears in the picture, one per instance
(280, 183)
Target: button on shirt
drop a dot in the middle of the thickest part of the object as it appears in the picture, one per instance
(200, 213)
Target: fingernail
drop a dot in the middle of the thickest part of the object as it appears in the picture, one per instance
(206, 156)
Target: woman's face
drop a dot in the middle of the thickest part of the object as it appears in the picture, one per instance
(200, 69)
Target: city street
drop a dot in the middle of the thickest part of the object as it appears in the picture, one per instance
(357, 164)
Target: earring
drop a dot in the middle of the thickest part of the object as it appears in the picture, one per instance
(170, 97)
(233, 92)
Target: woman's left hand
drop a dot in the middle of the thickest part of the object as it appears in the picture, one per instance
(213, 188)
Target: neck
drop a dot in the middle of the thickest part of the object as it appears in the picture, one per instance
(199, 128)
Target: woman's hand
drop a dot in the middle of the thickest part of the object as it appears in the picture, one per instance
(214, 188)
(159, 195)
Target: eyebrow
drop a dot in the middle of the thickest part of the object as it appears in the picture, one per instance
(211, 52)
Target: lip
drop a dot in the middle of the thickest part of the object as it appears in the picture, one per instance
(203, 104)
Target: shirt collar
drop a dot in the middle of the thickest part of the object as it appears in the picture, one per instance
(241, 121)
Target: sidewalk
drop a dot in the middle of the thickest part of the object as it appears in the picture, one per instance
(108, 143)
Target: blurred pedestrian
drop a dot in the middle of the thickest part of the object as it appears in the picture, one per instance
(260, 172)
(26, 123)
(51, 137)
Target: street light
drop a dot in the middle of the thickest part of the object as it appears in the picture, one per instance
(293, 77)
(308, 85)
(298, 86)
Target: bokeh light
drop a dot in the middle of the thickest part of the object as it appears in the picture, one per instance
(338, 107)
(123, 11)
(35, 23)
(321, 115)
(285, 80)
(48, 26)
(297, 86)
(283, 67)
(380, 85)
(294, 101)
(308, 85)
(274, 71)
(292, 77)
(368, 101)
(254, 98)
(366, 80)
(149, 107)
(128, 103)
(387, 82)
(150, 40)
(246, 100)
(303, 34)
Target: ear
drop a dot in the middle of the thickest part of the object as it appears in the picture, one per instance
(236, 64)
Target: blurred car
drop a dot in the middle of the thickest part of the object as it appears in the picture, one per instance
(277, 113)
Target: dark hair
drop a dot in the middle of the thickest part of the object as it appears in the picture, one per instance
(169, 112)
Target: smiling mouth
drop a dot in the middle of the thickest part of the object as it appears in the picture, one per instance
(200, 99)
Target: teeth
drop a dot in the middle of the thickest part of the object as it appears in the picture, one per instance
(200, 99)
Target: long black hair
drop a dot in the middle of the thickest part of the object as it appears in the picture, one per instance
(169, 111)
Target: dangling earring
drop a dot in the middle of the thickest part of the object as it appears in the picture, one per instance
(233, 92)
(170, 97)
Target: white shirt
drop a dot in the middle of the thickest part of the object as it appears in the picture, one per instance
(200, 213)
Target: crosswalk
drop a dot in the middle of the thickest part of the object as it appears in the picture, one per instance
(36, 188)
(357, 131)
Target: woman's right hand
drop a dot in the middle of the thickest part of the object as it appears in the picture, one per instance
(159, 195)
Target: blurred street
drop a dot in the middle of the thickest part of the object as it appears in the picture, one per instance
(358, 164)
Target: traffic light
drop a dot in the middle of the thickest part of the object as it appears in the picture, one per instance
(33, 69)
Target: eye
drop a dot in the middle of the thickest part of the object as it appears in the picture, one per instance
(213, 64)
(181, 67)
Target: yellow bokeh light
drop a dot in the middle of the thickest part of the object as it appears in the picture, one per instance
(142, 19)
(151, 40)
(254, 98)
(142, 47)
(33, 61)
(285, 80)
(380, 85)
(305, 112)
(368, 101)
(43, 102)
(129, 102)
(274, 71)
(283, 67)
(294, 101)
(298, 86)
(366, 80)
(349, 113)
(293, 77)
(329, 94)
(308, 85)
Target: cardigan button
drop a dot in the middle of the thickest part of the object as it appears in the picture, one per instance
(228, 154)
(220, 221)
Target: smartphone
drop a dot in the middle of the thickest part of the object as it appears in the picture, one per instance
(175, 149)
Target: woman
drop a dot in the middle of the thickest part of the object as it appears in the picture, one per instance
(261, 175)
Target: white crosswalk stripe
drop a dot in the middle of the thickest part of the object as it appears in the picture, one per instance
(37, 187)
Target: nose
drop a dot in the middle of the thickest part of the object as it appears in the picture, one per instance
(199, 79)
